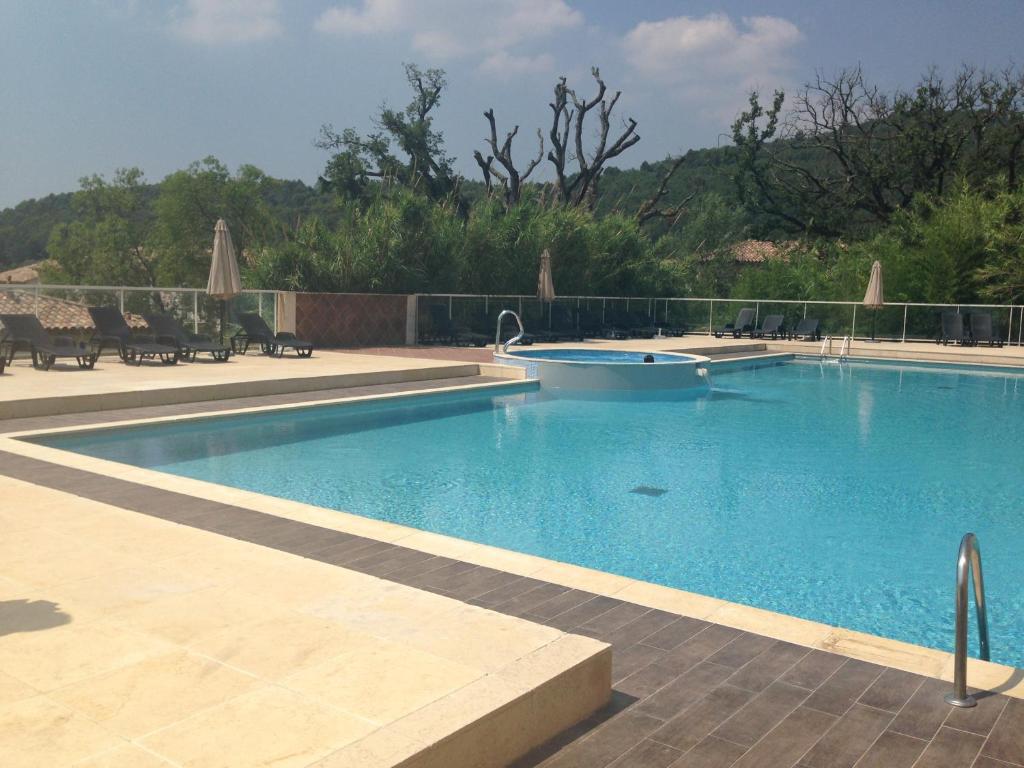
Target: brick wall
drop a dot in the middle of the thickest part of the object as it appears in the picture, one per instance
(351, 319)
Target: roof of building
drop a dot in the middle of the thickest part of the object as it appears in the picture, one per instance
(54, 313)
(760, 251)
(26, 273)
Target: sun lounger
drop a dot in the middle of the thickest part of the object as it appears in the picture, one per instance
(744, 323)
(770, 326)
(563, 324)
(256, 331)
(980, 324)
(169, 331)
(444, 330)
(112, 331)
(26, 332)
(808, 329)
(952, 329)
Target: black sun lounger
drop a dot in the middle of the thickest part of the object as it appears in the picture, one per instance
(256, 331)
(169, 331)
(952, 329)
(446, 331)
(770, 326)
(112, 331)
(26, 332)
(809, 329)
(980, 324)
(744, 323)
(563, 324)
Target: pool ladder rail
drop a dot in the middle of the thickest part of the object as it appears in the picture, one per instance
(498, 346)
(844, 349)
(968, 561)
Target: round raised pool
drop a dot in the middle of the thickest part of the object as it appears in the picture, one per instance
(608, 369)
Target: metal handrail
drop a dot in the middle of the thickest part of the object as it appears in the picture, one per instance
(968, 559)
(844, 349)
(826, 342)
(497, 333)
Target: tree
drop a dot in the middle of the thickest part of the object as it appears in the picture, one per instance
(848, 157)
(360, 160)
(107, 244)
(511, 179)
(189, 204)
(580, 187)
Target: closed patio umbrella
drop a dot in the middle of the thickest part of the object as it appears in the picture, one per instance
(873, 298)
(224, 283)
(545, 285)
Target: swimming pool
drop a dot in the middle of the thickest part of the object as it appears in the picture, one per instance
(833, 493)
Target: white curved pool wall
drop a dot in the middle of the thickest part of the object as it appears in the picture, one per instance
(672, 371)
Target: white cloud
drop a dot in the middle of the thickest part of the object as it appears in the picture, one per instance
(374, 17)
(227, 21)
(506, 65)
(487, 30)
(712, 60)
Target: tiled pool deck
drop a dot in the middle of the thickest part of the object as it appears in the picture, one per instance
(688, 691)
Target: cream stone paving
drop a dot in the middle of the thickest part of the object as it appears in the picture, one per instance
(382, 681)
(124, 756)
(40, 733)
(211, 651)
(125, 384)
(158, 691)
(271, 726)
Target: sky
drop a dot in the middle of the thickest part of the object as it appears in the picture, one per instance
(89, 86)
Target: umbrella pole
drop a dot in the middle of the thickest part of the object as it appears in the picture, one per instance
(223, 310)
(874, 319)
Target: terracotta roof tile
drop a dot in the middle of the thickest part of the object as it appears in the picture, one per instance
(55, 314)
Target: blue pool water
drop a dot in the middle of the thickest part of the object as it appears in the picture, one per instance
(595, 356)
(835, 494)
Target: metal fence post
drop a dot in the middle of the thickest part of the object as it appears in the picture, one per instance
(259, 304)
(195, 311)
(120, 297)
(602, 311)
(711, 317)
(805, 310)
(853, 328)
(905, 308)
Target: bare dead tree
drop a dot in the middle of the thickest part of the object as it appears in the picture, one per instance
(850, 156)
(579, 186)
(511, 179)
(649, 208)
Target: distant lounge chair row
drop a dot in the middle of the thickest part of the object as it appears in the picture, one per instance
(773, 326)
(167, 340)
(563, 324)
(978, 329)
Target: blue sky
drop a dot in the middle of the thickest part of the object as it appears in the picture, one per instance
(89, 86)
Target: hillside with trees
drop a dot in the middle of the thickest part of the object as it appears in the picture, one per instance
(842, 173)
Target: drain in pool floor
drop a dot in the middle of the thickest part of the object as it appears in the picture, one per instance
(646, 490)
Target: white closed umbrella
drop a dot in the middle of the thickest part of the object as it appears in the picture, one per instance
(224, 282)
(873, 297)
(545, 285)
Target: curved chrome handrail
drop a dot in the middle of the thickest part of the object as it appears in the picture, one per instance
(968, 559)
(844, 349)
(497, 333)
(826, 342)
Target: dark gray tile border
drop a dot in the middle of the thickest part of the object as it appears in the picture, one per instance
(687, 692)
